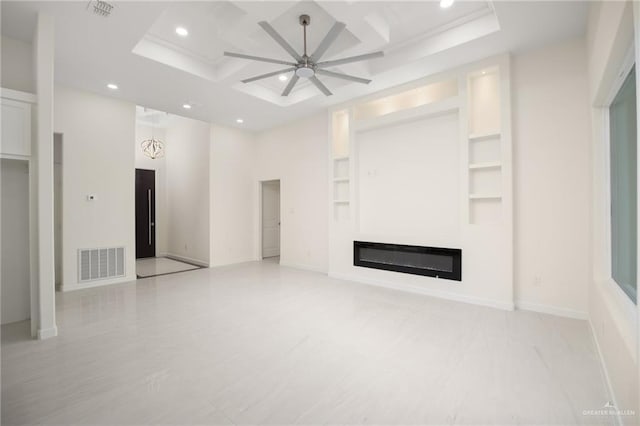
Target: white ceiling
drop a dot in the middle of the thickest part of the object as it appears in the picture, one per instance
(137, 48)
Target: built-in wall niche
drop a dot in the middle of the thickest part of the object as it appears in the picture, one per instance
(340, 163)
(341, 190)
(340, 143)
(485, 181)
(485, 146)
(341, 169)
(484, 102)
(484, 151)
(485, 209)
(412, 98)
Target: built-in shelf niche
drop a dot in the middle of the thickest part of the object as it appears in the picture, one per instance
(408, 99)
(340, 145)
(341, 190)
(484, 151)
(485, 147)
(341, 168)
(486, 210)
(340, 161)
(485, 181)
(484, 103)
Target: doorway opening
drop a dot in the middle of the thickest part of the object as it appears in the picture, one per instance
(15, 259)
(270, 220)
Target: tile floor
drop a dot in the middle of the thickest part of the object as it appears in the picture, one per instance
(259, 343)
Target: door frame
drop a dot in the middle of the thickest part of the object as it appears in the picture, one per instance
(258, 249)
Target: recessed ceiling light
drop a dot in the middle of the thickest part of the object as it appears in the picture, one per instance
(182, 32)
(239, 121)
(446, 3)
(283, 77)
(112, 86)
(186, 106)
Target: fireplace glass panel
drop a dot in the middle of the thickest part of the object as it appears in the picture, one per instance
(431, 261)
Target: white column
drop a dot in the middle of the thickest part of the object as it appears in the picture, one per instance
(44, 55)
(636, 27)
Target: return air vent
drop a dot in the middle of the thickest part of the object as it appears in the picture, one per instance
(100, 8)
(100, 264)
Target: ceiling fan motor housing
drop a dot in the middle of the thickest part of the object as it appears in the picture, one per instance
(305, 71)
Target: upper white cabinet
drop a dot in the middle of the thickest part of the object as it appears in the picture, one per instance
(16, 125)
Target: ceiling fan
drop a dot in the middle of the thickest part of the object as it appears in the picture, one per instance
(307, 66)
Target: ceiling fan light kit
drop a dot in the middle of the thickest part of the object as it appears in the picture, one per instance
(306, 66)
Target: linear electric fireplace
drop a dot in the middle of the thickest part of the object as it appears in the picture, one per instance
(430, 261)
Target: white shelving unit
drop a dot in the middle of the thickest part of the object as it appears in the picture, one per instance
(485, 147)
(340, 165)
(486, 165)
(485, 196)
(480, 136)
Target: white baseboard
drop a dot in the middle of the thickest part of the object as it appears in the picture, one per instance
(187, 259)
(498, 304)
(605, 374)
(47, 333)
(302, 266)
(231, 263)
(99, 283)
(551, 310)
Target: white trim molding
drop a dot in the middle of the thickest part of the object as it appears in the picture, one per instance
(47, 333)
(303, 267)
(409, 288)
(17, 95)
(605, 373)
(551, 310)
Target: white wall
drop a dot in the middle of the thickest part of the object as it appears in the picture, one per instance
(98, 159)
(297, 155)
(187, 162)
(613, 316)
(398, 163)
(232, 195)
(144, 132)
(551, 134)
(17, 65)
(14, 257)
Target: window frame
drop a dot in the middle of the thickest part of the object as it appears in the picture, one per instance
(614, 288)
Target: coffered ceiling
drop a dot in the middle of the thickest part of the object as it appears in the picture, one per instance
(137, 47)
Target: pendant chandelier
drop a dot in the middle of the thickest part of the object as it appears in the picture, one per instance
(153, 148)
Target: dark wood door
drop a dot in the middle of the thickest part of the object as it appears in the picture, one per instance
(145, 213)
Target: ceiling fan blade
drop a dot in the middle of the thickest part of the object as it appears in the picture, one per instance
(343, 76)
(350, 59)
(320, 86)
(258, 58)
(331, 36)
(267, 75)
(289, 87)
(281, 41)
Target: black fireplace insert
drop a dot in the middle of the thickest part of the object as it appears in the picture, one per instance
(419, 260)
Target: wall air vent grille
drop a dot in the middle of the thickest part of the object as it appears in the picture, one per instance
(100, 264)
(100, 8)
